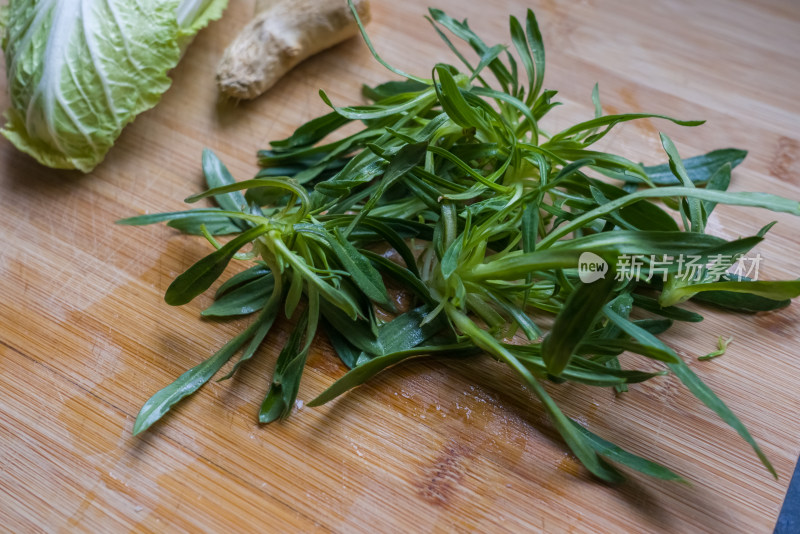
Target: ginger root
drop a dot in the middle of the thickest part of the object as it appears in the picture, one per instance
(284, 33)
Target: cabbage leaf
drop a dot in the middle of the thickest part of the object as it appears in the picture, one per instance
(80, 70)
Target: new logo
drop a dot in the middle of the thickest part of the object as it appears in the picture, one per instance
(591, 267)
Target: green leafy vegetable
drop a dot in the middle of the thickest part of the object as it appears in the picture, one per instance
(79, 72)
(451, 190)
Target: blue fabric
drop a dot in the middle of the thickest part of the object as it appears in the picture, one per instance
(789, 518)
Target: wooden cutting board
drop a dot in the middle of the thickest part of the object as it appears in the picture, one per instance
(86, 338)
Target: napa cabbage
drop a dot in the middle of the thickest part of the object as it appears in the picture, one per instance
(80, 70)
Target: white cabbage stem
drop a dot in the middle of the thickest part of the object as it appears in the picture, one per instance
(284, 33)
(188, 10)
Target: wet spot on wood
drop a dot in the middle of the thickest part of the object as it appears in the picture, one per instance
(665, 389)
(75, 519)
(569, 464)
(781, 322)
(784, 163)
(441, 479)
(326, 361)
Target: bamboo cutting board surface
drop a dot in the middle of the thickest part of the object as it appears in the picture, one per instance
(86, 338)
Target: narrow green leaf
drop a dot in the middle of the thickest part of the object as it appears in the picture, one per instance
(243, 299)
(536, 45)
(598, 108)
(643, 215)
(214, 213)
(740, 302)
(656, 348)
(584, 371)
(676, 165)
(384, 109)
(710, 399)
(213, 225)
(451, 257)
(390, 235)
(205, 272)
(408, 157)
(392, 88)
(488, 57)
(396, 341)
(575, 322)
(699, 168)
(528, 326)
(346, 351)
(514, 102)
(360, 374)
(452, 101)
(609, 121)
(365, 276)
(617, 454)
(670, 312)
(280, 183)
(311, 132)
(604, 162)
(408, 330)
(778, 290)
(293, 295)
(463, 31)
(565, 254)
(654, 326)
(576, 440)
(282, 393)
(520, 42)
(401, 274)
(361, 332)
(241, 278)
(719, 181)
(217, 175)
(260, 328)
(189, 382)
(378, 58)
(622, 304)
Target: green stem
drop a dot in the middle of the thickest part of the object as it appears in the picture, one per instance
(331, 294)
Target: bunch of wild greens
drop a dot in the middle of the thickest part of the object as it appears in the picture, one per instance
(488, 216)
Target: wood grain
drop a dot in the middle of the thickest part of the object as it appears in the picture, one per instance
(85, 337)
